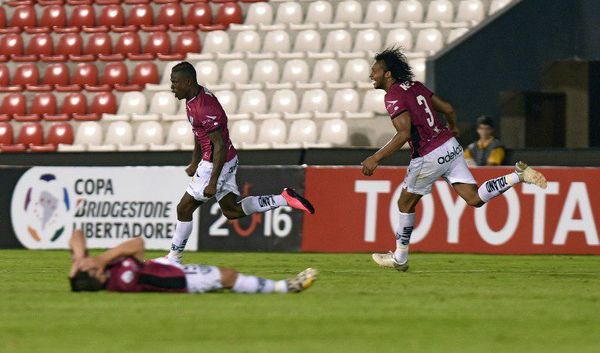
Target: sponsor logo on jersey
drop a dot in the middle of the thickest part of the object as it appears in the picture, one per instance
(211, 117)
(450, 155)
(390, 103)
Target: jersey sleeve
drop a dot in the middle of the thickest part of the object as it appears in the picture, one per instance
(395, 102)
(212, 119)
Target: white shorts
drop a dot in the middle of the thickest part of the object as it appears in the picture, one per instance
(225, 184)
(446, 161)
(202, 279)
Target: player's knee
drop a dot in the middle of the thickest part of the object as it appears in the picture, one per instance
(184, 210)
(475, 202)
(228, 277)
(232, 213)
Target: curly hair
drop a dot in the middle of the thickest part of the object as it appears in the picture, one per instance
(396, 62)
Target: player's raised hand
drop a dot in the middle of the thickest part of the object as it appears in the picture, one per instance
(210, 190)
(369, 165)
(191, 169)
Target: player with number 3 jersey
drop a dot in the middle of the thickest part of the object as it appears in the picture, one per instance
(435, 152)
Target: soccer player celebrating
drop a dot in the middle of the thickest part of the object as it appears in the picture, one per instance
(123, 269)
(214, 163)
(434, 150)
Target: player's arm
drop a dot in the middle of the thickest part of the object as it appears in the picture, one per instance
(447, 109)
(219, 155)
(191, 169)
(132, 247)
(402, 124)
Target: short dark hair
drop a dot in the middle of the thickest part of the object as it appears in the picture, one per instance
(397, 63)
(186, 69)
(83, 282)
(485, 120)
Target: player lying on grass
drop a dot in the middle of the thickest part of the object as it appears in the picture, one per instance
(123, 269)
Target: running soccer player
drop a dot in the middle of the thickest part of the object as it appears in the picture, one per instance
(123, 269)
(214, 163)
(434, 150)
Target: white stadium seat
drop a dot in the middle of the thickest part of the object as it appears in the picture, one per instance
(498, 5)
(228, 101)
(162, 103)
(334, 131)
(216, 42)
(295, 71)
(207, 72)
(148, 133)
(266, 71)
(379, 11)
(368, 40)
(356, 70)
(276, 41)
(302, 131)
(130, 103)
(401, 37)
(349, 11)
(440, 10)
(284, 101)
(345, 100)
(247, 41)
(119, 133)
(429, 40)
(88, 133)
(326, 70)
(319, 12)
(252, 101)
(181, 135)
(308, 40)
(259, 13)
(470, 10)
(455, 34)
(418, 69)
(338, 40)
(373, 102)
(235, 71)
(409, 10)
(315, 100)
(289, 12)
(243, 131)
(272, 131)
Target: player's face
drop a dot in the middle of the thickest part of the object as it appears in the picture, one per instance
(377, 75)
(179, 85)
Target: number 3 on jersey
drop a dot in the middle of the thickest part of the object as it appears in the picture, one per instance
(422, 101)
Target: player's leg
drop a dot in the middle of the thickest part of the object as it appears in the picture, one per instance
(185, 210)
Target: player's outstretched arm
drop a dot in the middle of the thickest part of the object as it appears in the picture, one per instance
(402, 125)
(96, 264)
(447, 109)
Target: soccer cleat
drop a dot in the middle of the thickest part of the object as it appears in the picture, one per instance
(296, 201)
(174, 258)
(302, 281)
(529, 175)
(388, 261)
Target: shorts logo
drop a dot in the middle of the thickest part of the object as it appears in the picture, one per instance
(450, 155)
(41, 201)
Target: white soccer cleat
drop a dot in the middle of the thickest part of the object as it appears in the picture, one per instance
(388, 261)
(302, 281)
(174, 258)
(529, 175)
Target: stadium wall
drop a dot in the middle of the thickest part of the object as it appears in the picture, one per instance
(41, 206)
(506, 52)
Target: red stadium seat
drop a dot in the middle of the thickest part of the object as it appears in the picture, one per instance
(53, 15)
(145, 72)
(187, 42)
(11, 44)
(85, 74)
(83, 15)
(60, 132)
(2, 17)
(112, 15)
(26, 74)
(43, 103)
(74, 103)
(115, 73)
(23, 16)
(199, 14)
(158, 42)
(6, 133)
(103, 103)
(56, 74)
(128, 43)
(169, 14)
(40, 44)
(99, 43)
(4, 76)
(13, 104)
(31, 134)
(140, 14)
(69, 44)
(229, 13)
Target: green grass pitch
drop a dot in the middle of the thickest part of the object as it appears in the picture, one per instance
(445, 303)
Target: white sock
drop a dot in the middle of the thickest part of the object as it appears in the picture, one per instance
(498, 186)
(254, 204)
(182, 233)
(253, 284)
(403, 233)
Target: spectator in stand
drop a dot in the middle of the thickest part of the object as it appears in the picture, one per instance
(488, 150)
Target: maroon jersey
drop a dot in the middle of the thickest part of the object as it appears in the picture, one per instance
(427, 131)
(206, 115)
(127, 274)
